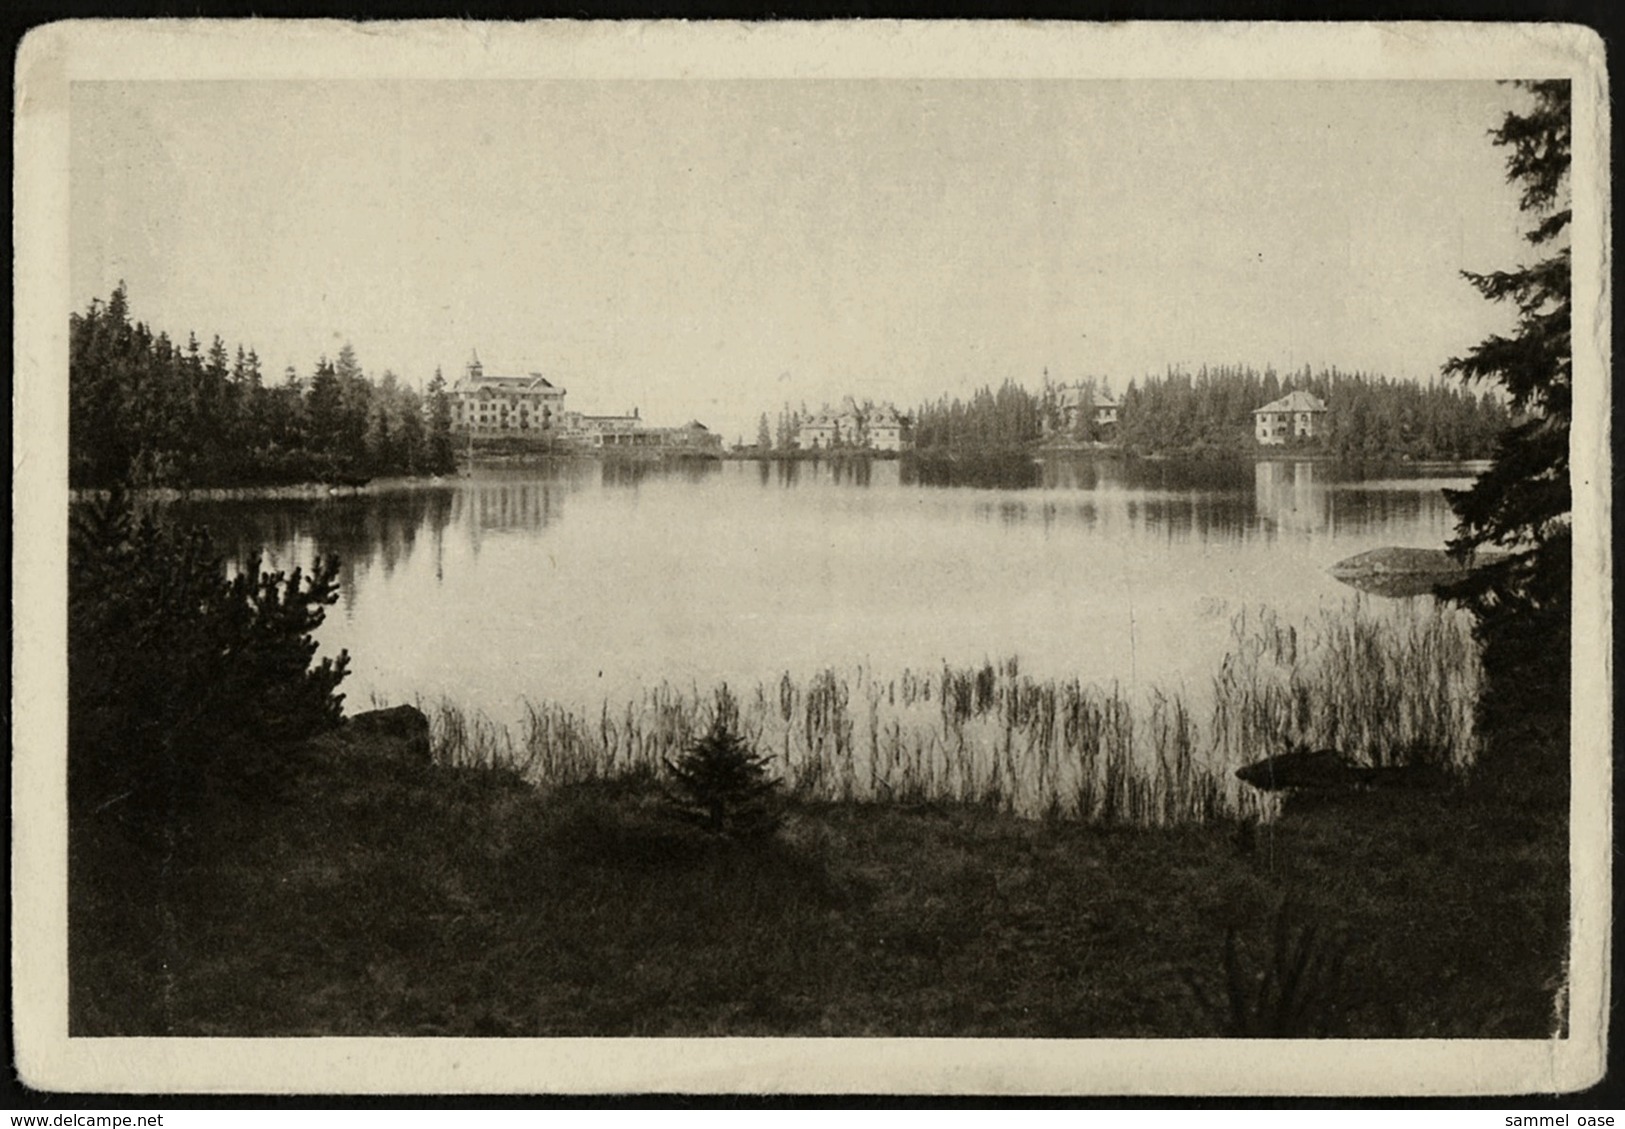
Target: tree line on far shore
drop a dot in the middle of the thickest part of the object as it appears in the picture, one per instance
(1369, 416)
(146, 411)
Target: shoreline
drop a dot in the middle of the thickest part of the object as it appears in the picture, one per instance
(595, 914)
(390, 483)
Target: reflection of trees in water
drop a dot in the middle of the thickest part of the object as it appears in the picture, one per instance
(1157, 475)
(1356, 509)
(1012, 471)
(1070, 474)
(1218, 500)
(361, 529)
(1305, 497)
(632, 472)
(841, 472)
(852, 472)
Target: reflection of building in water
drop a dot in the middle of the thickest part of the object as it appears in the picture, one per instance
(1288, 496)
(1071, 474)
(499, 507)
(633, 472)
(851, 472)
(832, 471)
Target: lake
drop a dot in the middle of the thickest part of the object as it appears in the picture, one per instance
(586, 584)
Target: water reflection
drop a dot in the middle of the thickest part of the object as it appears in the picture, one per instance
(500, 507)
(584, 581)
(837, 472)
(363, 531)
(1289, 496)
(635, 472)
(1215, 501)
(984, 472)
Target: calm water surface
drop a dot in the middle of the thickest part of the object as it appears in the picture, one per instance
(584, 583)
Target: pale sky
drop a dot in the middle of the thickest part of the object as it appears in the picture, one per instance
(712, 249)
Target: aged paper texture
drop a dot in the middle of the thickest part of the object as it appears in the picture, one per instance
(255, 61)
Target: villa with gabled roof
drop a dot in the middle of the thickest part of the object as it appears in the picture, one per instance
(886, 429)
(1070, 401)
(853, 429)
(1297, 415)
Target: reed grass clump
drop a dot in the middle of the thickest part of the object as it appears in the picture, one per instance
(1386, 688)
(1392, 685)
(461, 739)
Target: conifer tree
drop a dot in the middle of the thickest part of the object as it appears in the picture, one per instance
(1522, 502)
(721, 785)
(324, 410)
(442, 456)
(355, 405)
(177, 668)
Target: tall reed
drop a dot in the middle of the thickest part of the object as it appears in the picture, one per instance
(1387, 687)
(1383, 685)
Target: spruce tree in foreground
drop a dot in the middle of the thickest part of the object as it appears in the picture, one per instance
(1522, 502)
(180, 671)
(721, 786)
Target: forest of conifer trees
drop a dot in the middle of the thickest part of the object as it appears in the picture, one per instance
(1369, 418)
(148, 412)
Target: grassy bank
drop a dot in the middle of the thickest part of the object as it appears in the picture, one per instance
(363, 892)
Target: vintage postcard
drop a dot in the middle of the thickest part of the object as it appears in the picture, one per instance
(829, 558)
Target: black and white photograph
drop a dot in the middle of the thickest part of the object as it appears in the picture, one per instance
(973, 558)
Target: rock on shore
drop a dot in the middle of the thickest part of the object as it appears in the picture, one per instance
(1395, 571)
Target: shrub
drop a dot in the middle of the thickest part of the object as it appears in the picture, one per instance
(721, 785)
(175, 668)
(1301, 990)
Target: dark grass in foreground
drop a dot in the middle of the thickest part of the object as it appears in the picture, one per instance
(375, 896)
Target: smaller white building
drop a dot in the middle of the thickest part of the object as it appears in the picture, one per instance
(1072, 401)
(1297, 415)
(886, 430)
(818, 433)
(854, 429)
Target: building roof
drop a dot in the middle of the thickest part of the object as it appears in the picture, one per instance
(1071, 396)
(1294, 401)
(535, 381)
